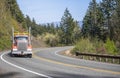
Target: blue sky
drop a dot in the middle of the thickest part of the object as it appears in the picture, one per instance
(46, 11)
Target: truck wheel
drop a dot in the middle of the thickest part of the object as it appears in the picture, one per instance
(12, 55)
(30, 55)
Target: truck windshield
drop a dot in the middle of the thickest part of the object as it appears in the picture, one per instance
(21, 38)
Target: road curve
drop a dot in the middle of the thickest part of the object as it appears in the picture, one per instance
(47, 63)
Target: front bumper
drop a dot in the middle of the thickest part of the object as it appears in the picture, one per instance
(21, 52)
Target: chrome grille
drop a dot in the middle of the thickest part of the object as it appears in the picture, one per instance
(22, 46)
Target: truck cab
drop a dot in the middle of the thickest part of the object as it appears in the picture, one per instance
(21, 44)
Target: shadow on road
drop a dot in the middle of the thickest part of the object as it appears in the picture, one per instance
(16, 56)
(9, 75)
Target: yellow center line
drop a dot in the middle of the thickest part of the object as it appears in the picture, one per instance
(76, 66)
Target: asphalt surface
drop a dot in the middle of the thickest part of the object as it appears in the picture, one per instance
(47, 63)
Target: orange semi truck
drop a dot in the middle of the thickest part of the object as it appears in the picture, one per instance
(21, 44)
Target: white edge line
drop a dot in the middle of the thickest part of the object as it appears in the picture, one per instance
(22, 67)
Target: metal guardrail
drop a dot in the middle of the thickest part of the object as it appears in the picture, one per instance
(99, 57)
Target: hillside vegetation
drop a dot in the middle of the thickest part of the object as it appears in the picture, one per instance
(8, 20)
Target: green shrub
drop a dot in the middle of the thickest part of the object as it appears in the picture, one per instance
(99, 46)
(84, 45)
(110, 47)
(96, 46)
(51, 39)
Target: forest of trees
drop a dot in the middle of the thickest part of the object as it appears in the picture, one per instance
(102, 20)
(101, 24)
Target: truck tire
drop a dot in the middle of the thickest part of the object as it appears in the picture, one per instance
(12, 55)
(30, 55)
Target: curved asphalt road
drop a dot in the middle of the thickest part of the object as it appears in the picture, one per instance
(47, 63)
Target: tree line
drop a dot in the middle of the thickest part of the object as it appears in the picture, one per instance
(101, 21)
(67, 31)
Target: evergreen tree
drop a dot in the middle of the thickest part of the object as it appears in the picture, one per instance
(34, 27)
(93, 21)
(108, 7)
(67, 28)
(76, 32)
(28, 21)
(116, 23)
(86, 25)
